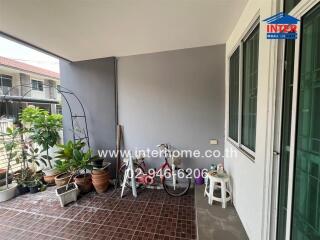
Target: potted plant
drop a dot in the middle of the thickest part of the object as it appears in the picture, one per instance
(32, 157)
(43, 129)
(73, 160)
(11, 146)
(35, 185)
(22, 177)
(64, 156)
(67, 194)
(22, 188)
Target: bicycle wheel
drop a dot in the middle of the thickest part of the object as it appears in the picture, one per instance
(182, 183)
(138, 170)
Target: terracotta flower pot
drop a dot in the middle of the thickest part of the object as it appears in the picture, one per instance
(3, 173)
(100, 180)
(50, 172)
(84, 182)
(50, 180)
(62, 179)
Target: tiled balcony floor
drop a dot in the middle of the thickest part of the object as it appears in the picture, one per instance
(153, 215)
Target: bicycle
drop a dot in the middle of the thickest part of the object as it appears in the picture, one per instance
(174, 180)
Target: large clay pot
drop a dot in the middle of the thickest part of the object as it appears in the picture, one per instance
(100, 180)
(84, 182)
(50, 172)
(62, 179)
(50, 180)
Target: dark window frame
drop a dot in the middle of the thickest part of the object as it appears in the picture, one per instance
(234, 87)
(37, 85)
(238, 143)
(5, 77)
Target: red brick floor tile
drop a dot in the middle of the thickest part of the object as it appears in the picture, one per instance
(104, 233)
(153, 215)
(167, 226)
(115, 218)
(100, 216)
(186, 229)
(186, 213)
(109, 204)
(96, 202)
(72, 212)
(170, 211)
(138, 207)
(138, 235)
(123, 205)
(187, 200)
(130, 221)
(148, 223)
(85, 214)
(172, 200)
(163, 237)
(123, 234)
(153, 209)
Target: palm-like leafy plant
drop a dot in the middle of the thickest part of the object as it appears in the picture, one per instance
(72, 158)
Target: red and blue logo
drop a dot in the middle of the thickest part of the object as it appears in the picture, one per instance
(282, 26)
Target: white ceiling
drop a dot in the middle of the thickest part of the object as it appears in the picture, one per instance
(87, 29)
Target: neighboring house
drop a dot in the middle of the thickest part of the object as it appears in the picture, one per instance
(21, 82)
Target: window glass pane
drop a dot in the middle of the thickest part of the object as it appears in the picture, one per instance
(40, 86)
(34, 84)
(234, 95)
(5, 81)
(306, 201)
(285, 139)
(37, 85)
(249, 89)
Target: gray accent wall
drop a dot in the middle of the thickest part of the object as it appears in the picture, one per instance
(174, 97)
(93, 81)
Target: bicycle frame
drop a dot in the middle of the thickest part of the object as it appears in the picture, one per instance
(147, 178)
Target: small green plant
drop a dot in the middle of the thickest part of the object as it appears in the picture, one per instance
(72, 158)
(12, 147)
(43, 129)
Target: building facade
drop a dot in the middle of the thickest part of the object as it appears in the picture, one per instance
(23, 84)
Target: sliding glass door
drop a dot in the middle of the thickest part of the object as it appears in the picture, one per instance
(285, 139)
(306, 182)
(299, 181)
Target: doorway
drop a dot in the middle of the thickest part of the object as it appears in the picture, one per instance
(299, 181)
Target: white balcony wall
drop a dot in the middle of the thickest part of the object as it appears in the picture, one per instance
(15, 82)
(37, 94)
(251, 178)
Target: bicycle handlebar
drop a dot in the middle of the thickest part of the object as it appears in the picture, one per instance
(164, 145)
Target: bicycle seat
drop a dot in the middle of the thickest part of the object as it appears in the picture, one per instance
(162, 145)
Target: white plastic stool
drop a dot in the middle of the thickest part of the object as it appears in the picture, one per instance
(211, 184)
